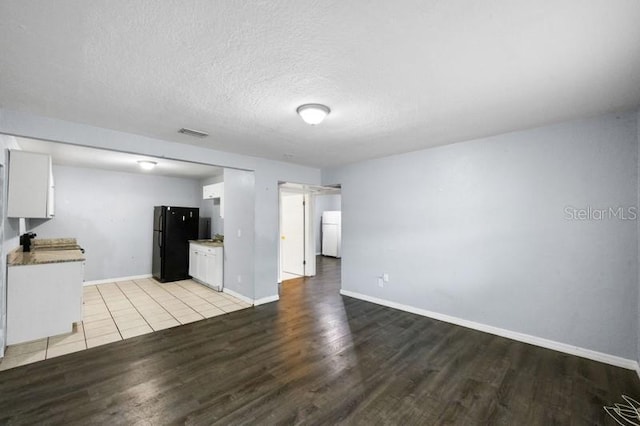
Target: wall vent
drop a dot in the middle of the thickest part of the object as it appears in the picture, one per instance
(194, 133)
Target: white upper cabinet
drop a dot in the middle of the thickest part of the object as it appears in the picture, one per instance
(215, 190)
(31, 190)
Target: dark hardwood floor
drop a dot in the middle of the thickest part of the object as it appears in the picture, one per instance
(314, 357)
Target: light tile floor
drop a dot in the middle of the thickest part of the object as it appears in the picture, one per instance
(125, 309)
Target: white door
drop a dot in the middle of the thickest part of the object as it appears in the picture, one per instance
(292, 233)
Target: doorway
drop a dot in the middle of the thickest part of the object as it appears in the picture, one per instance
(292, 234)
(299, 229)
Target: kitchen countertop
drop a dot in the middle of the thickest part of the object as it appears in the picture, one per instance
(19, 258)
(208, 243)
(53, 250)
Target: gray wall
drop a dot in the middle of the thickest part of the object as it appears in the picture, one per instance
(239, 238)
(111, 215)
(9, 232)
(13, 227)
(478, 231)
(323, 203)
(267, 175)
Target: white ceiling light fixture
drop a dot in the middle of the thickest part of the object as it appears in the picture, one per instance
(193, 132)
(313, 113)
(146, 164)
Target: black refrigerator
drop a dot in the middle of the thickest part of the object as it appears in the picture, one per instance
(173, 227)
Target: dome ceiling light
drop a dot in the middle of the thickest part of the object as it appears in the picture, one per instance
(193, 132)
(313, 113)
(147, 165)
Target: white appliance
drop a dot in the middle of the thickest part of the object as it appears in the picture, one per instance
(332, 233)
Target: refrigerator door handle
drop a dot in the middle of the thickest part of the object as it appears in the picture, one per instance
(160, 217)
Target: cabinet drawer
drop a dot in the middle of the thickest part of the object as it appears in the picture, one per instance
(205, 249)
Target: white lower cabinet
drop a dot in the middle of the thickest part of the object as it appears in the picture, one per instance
(205, 265)
(43, 300)
(193, 260)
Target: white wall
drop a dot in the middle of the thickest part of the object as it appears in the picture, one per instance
(267, 175)
(478, 231)
(111, 215)
(322, 203)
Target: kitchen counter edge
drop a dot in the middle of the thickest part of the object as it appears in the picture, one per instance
(207, 243)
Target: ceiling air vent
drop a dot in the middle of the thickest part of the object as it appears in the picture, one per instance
(194, 133)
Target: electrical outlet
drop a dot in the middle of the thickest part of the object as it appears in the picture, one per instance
(385, 278)
(380, 282)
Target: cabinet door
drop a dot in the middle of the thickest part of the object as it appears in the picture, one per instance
(215, 190)
(193, 261)
(217, 263)
(202, 267)
(212, 191)
(207, 192)
(30, 192)
(211, 270)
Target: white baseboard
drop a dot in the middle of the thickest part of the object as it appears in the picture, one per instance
(238, 295)
(268, 299)
(514, 335)
(112, 280)
(254, 302)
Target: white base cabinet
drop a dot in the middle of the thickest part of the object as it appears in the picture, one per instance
(43, 300)
(205, 265)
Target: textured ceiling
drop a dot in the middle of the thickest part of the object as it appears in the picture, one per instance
(398, 76)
